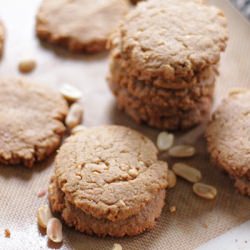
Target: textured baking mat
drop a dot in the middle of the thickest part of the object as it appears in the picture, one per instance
(195, 222)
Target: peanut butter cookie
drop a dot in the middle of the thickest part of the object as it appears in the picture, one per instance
(228, 137)
(109, 177)
(79, 25)
(31, 121)
(170, 39)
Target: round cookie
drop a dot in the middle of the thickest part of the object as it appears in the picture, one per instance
(160, 97)
(110, 173)
(164, 118)
(228, 135)
(86, 223)
(155, 41)
(31, 121)
(2, 38)
(120, 70)
(87, 31)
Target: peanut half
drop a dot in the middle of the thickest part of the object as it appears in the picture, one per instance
(165, 141)
(70, 93)
(54, 230)
(182, 151)
(74, 116)
(187, 172)
(117, 247)
(78, 129)
(171, 179)
(43, 216)
(205, 191)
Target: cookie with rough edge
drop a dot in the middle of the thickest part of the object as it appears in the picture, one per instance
(75, 217)
(109, 172)
(79, 25)
(228, 136)
(173, 118)
(118, 68)
(242, 185)
(170, 39)
(2, 37)
(31, 121)
(163, 98)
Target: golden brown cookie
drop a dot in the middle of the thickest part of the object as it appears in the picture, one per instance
(2, 37)
(164, 118)
(228, 137)
(79, 25)
(170, 39)
(119, 69)
(75, 217)
(110, 175)
(31, 121)
(185, 99)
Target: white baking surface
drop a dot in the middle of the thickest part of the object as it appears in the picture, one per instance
(237, 238)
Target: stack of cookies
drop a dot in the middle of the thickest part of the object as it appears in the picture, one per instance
(228, 138)
(108, 181)
(164, 62)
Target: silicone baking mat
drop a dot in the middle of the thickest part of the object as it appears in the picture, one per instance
(195, 222)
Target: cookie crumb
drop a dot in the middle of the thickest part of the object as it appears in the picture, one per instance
(26, 66)
(41, 193)
(7, 233)
(205, 225)
(133, 172)
(172, 209)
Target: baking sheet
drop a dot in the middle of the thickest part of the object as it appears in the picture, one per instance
(195, 222)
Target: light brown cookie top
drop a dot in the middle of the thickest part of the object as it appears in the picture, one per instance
(171, 38)
(79, 25)
(31, 121)
(228, 134)
(109, 172)
(2, 37)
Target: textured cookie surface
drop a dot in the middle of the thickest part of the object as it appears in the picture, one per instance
(109, 172)
(171, 38)
(83, 222)
(173, 118)
(1, 37)
(243, 185)
(119, 68)
(228, 134)
(31, 121)
(186, 98)
(79, 25)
